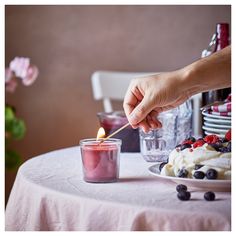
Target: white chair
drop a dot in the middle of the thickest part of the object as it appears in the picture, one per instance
(111, 86)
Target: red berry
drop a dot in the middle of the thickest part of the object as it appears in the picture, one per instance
(211, 138)
(187, 142)
(198, 143)
(228, 135)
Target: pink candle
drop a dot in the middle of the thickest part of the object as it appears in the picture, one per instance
(100, 161)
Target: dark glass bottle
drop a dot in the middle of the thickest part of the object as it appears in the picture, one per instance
(220, 40)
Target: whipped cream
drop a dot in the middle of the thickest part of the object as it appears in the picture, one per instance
(205, 155)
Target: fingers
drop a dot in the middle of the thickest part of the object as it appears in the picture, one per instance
(150, 122)
(144, 125)
(130, 102)
(154, 117)
(140, 112)
(132, 98)
(138, 107)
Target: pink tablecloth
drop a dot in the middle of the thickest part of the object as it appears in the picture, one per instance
(50, 194)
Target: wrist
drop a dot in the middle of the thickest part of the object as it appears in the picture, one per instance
(189, 84)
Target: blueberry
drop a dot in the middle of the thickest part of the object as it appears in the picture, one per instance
(192, 139)
(209, 196)
(223, 140)
(183, 173)
(162, 165)
(211, 174)
(198, 166)
(184, 146)
(224, 149)
(181, 187)
(199, 175)
(229, 146)
(184, 195)
(216, 146)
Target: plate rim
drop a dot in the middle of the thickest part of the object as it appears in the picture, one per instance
(213, 125)
(186, 179)
(204, 113)
(210, 133)
(221, 131)
(216, 120)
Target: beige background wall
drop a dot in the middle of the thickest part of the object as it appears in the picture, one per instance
(69, 43)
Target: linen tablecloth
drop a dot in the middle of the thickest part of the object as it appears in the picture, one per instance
(49, 194)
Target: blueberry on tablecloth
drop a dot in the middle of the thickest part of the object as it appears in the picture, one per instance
(209, 196)
(184, 195)
(181, 187)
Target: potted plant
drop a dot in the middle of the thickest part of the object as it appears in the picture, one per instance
(20, 69)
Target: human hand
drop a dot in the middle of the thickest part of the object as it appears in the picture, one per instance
(146, 97)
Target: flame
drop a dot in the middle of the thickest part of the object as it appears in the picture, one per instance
(101, 133)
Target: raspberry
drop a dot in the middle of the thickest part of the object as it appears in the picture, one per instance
(211, 138)
(228, 135)
(198, 143)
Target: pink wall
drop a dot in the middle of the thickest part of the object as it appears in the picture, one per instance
(69, 43)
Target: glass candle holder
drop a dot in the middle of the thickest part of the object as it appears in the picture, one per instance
(101, 161)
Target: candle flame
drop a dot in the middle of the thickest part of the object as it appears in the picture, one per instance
(101, 133)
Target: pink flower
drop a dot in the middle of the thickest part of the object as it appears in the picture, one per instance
(31, 75)
(11, 85)
(24, 70)
(20, 65)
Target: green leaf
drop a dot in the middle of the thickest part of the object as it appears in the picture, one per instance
(9, 113)
(12, 160)
(18, 128)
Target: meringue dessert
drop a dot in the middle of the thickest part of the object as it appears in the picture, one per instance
(208, 158)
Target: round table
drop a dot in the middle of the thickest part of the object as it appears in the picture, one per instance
(49, 194)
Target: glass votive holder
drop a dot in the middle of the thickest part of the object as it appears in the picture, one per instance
(101, 161)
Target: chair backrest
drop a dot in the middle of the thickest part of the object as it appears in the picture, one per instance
(112, 85)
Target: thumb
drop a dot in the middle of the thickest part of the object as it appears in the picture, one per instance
(140, 111)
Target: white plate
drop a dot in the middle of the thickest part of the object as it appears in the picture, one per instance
(220, 135)
(217, 121)
(209, 124)
(219, 131)
(205, 113)
(219, 185)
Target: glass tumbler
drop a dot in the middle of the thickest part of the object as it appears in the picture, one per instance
(157, 144)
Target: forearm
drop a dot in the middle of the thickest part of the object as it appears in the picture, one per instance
(209, 73)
